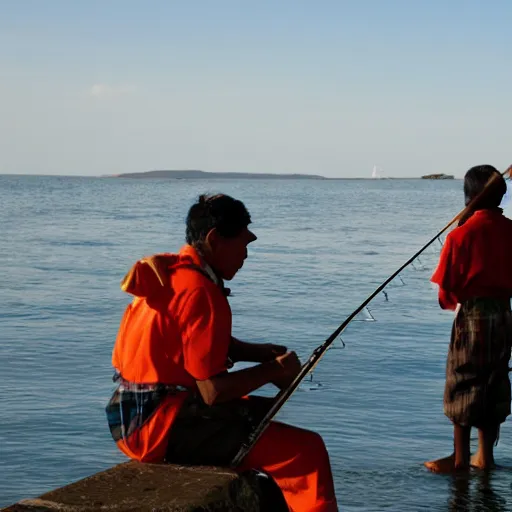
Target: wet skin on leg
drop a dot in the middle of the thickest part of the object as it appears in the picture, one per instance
(459, 460)
(484, 457)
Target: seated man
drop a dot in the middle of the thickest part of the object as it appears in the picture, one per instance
(176, 401)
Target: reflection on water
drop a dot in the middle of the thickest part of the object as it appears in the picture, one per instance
(478, 491)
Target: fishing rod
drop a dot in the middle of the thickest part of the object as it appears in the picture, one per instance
(317, 354)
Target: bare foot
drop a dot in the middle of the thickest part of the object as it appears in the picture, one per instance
(445, 465)
(478, 461)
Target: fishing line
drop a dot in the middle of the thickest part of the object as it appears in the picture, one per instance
(318, 353)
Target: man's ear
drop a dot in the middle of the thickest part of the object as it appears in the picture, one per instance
(212, 239)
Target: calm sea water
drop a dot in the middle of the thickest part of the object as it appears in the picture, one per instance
(323, 247)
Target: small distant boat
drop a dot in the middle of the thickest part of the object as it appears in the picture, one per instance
(440, 176)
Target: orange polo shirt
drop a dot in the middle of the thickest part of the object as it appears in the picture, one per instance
(475, 259)
(176, 330)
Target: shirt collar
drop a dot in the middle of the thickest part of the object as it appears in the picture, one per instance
(192, 253)
(488, 211)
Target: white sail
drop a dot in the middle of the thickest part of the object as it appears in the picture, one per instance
(375, 172)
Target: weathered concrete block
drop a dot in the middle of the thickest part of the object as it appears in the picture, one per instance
(154, 488)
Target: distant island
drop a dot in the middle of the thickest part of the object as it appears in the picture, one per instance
(206, 175)
(438, 177)
(192, 174)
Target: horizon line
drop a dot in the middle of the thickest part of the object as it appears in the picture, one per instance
(309, 176)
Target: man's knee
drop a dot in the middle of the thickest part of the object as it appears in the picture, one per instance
(314, 443)
(306, 441)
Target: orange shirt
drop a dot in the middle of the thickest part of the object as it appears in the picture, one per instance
(178, 328)
(475, 259)
(176, 331)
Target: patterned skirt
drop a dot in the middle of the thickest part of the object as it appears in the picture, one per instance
(477, 391)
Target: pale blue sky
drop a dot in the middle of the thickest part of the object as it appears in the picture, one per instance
(324, 87)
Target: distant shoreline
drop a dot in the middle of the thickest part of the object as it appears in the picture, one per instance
(196, 174)
(203, 175)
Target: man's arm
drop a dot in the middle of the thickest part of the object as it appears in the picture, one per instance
(448, 274)
(254, 352)
(447, 300)
(206, 345)
(229, 386)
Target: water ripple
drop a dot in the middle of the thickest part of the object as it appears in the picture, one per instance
(322, 248)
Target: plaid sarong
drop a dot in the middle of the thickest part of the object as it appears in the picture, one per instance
(131, 405)
(477, 391)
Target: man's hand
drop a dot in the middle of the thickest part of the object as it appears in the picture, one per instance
(289, 367)
(280, 371)
(269, 351)
(254, 352)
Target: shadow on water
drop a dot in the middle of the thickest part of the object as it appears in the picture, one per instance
(479, 491)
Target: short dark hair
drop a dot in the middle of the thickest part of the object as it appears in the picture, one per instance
(222, 212)
(475, 181)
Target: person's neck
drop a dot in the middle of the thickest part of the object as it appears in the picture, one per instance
(209, 267)
(495, 209)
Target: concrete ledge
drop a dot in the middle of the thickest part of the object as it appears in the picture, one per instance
(155, 488)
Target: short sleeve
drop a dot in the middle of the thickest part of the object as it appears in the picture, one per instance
(205, 324)
(449, 271)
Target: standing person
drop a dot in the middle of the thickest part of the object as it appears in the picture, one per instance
(475, 278)
(176, 401)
